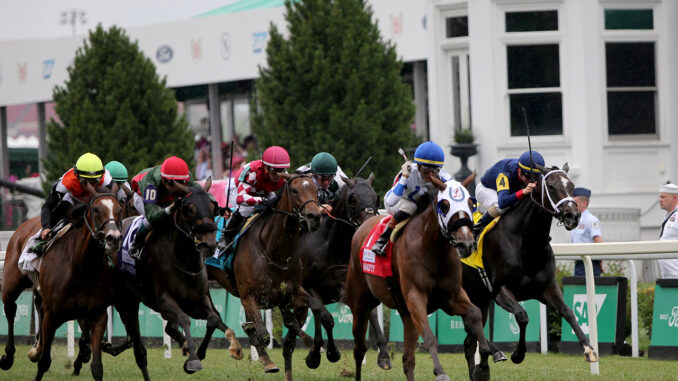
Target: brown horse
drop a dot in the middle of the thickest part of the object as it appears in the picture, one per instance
(426, 264)
(519, 261)
(268, 267)
(75, 277)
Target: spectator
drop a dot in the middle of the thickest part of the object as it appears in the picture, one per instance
(204, 167)
(588, 230)
(668, 200)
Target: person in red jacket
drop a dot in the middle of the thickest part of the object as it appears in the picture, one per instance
(255, 184)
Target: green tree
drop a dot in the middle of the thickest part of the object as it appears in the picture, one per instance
(115, 106)
(334, 85)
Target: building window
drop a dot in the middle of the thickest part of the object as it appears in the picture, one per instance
(531, 21)
(456, 27)
(630, 64)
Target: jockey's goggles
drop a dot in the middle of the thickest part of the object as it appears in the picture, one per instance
(429, 168)
(277, 170)
(321, 178)
(171, 182)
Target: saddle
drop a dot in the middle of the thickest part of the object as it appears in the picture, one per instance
(58, 231)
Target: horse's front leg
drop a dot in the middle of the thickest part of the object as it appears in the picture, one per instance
(98, 326)
(473, 319)
(553, 297)
(506, 300)
(416, 322)
(84, 349)
(292, 322)
(214, 322)
(175, 316)
(129, 314)
(255, 329)
(44, 347)
(9, 301)
(383, 359)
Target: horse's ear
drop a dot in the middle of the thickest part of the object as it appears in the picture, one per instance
(92, 191)
(349, 182)
(438, 183)
(285, 176)
(182, 188)
(542, 168)
(566, 167)
(115, 188)
(370, 178)
(208, 184)
(469, 179)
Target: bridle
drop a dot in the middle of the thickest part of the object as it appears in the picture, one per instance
(296, 210)
(555, 210)
(355, 210)
(97, 233)
(189, 232)
(448, 231)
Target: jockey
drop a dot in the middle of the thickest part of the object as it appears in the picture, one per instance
(69, 189)
(116, 172)
(412, 188)
(504, 184)
(254, 185)
(156, 186)
(326, 176)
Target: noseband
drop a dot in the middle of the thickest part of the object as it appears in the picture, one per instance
(555, 210)
(189, 233)
(296, 211)
(448, 231)
(96, 233)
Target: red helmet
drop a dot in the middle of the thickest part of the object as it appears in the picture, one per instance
(276, 157)
(174, 168)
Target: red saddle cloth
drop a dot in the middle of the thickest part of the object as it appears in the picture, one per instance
(379, 265)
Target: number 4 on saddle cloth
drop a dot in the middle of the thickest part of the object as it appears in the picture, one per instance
(380, 265)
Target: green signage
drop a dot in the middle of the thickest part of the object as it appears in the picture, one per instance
(451, 329)
(343, 322)
(235, 315)
(396, 330)
(665, 317)
(22, 319)
(606, 309)
(506, 328)
(198, 327)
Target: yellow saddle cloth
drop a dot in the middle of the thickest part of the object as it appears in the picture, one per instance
(475, 260)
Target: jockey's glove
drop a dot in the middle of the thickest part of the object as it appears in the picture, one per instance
(406, 169)
(168, 209)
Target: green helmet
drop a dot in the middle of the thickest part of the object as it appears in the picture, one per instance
(117, 170)
(324, 163)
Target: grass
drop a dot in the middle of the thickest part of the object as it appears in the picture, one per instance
(218, 366)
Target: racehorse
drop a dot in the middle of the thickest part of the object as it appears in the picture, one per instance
(14, 282)
(426, 264)
(267, 265)
(75, 277)
(325, 254)
(171, 279)
(519, 261)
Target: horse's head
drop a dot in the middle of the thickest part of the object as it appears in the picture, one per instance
(361, 199)
(555, 192)
(300, 196)
(197, 212)
(103, 220)
(454, 215)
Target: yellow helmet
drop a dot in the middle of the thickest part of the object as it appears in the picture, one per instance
(89, 166)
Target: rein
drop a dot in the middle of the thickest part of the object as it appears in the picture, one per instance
(96, 233)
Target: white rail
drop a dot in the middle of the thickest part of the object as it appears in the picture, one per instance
(628, 251)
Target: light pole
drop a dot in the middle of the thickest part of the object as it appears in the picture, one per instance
(72, 17)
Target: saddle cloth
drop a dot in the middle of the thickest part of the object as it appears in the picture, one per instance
(30, 261)
(125, 262)
(475, 260)
(224, 260)
(379, 265)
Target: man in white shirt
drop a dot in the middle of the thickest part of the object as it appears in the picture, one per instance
(668, 200)
(588, 230)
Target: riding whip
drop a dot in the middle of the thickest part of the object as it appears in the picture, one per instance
(401, 152)
(363, 167)
(529, 142)
(230, 175)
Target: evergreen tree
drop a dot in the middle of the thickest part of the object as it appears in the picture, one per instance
(334, 85)
(115, 106)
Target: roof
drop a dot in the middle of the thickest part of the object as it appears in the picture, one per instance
(244, 5)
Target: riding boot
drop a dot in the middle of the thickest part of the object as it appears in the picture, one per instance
(481, 224)
(138, 243)
(231, 229)
(380, 245)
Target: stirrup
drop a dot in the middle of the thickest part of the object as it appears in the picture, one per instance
(379, 246)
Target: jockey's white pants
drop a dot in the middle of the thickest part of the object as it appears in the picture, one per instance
(487, 197)
(406, 205)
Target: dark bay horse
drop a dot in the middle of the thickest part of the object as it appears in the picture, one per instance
(519, 261)
(75, 279)
(428, 269)
(325, 254)
(268, 268)
(172, 280)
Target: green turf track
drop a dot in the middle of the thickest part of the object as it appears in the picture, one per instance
(218, 366)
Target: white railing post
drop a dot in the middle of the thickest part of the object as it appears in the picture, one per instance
(166, 341)
(634, 308)
(591, 309)
(269, 327)
(109, 324)
(543, 329)
(70, 338)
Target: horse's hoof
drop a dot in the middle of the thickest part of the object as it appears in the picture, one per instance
(333, 355)
(192, 366)
(6, 362)
(384, 362)
(589, 353)
(33, 355)
(76, 372)
(499, 356)
(236, 354)
(271, 368)
(481, 373)
(517, 357)
(443, 377)
(288, 375)
(313, 360)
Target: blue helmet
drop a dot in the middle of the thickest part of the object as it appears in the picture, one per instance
(429, 153)
(525, 163)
